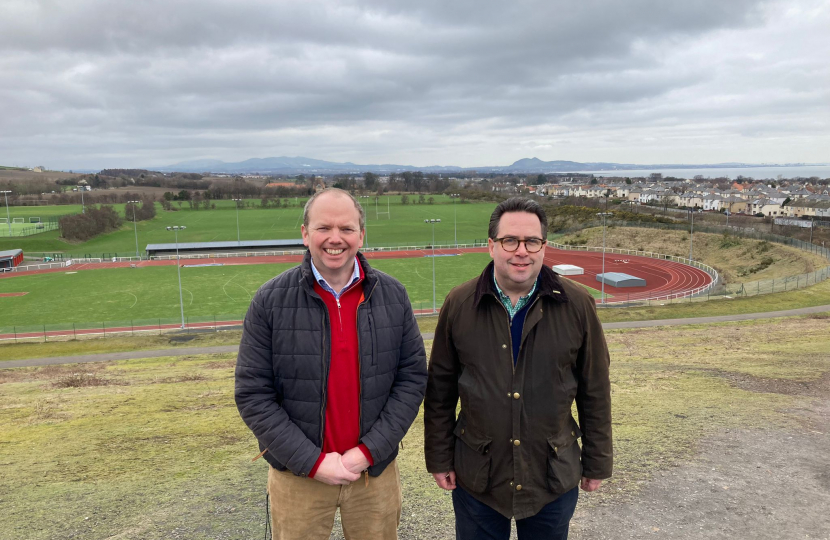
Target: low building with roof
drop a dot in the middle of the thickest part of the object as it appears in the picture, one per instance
(10, 259)
(210, 248)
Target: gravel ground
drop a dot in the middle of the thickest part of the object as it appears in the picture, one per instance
(770, 484)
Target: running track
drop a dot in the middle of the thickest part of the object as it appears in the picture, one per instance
(663, 278)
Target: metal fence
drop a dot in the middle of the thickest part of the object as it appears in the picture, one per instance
(30, 229)
(64, 331)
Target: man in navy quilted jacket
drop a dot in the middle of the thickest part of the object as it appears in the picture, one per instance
(330, 375)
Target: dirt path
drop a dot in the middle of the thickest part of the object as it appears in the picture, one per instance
(760, 484)
(233, 348)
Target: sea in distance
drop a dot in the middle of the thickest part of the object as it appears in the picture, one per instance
(758, 173)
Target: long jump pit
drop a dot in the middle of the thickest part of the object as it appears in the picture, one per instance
(12, 294)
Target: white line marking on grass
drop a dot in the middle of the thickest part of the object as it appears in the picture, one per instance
(191, 296)
(422, 277)
(298, 220)
(246, 291)
(226, 291)
(136, 300)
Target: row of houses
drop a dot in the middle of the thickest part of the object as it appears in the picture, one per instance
(790, 201)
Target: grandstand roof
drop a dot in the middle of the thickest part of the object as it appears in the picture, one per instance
(246, 244)
(11, 253)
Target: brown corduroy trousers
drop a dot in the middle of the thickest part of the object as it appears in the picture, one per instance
(303, 508)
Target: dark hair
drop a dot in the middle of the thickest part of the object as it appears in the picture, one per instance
(517, 204)
(361, 213)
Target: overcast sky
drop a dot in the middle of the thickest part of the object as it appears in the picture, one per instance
(114, 83)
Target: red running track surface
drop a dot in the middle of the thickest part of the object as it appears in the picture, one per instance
(662, 277)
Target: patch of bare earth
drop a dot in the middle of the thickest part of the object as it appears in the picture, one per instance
(759, 484)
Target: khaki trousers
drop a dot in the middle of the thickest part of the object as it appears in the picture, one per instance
(303, 508)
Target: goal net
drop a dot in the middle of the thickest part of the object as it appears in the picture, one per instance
(18, 220)
(4, 221)
(34, 220)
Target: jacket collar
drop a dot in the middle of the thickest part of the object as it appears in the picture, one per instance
(549, 285)
(307, 280)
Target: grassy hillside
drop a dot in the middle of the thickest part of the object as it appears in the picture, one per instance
(155, 448)
(736, 259)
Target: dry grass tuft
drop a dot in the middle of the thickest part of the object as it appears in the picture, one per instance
(83, 380)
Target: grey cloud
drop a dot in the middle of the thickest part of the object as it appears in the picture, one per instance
(128, 80)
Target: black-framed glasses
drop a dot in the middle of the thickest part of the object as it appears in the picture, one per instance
(510, 243)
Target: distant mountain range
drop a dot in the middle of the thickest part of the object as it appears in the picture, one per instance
(301, 165)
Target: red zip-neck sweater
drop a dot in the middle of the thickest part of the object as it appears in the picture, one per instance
(342, 429)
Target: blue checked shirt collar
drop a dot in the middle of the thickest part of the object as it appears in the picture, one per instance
(327, 287)
(508, 304)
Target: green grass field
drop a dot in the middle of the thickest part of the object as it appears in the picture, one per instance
(143, 295)
(405, 227)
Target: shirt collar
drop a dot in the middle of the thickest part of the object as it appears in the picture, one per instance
(319, 277)
(508, 304)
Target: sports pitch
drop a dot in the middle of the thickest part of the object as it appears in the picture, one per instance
(403, 226)
(141, 296)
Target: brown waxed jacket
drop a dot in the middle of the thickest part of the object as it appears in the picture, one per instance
(514, 444)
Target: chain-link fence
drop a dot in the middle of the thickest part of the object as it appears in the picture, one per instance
(127, 327)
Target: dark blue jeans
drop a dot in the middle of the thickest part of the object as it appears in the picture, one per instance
(475, 520)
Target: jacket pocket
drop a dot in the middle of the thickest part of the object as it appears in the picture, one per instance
(564, 464)
(472, 457)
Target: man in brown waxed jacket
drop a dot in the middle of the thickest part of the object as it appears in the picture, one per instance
(518, 345)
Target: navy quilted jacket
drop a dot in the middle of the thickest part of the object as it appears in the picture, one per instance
(283, 362)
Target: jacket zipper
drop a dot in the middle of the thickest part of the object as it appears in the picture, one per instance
(324, 390)
(326, 378)
(359, 372)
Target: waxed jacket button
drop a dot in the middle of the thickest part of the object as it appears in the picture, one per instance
(517, 442)
(573, 434)
(462, 431)
(518, 487)
(516, 395)
(503, 345)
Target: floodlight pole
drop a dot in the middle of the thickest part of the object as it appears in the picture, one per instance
(176, 229)
(433, 222)
(691, 234)
(455, 217)
(8, 216)
(365, 224)
(603, 214)
(135, 227)
(236, 201)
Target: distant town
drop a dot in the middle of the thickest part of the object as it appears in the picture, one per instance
(786, 198)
